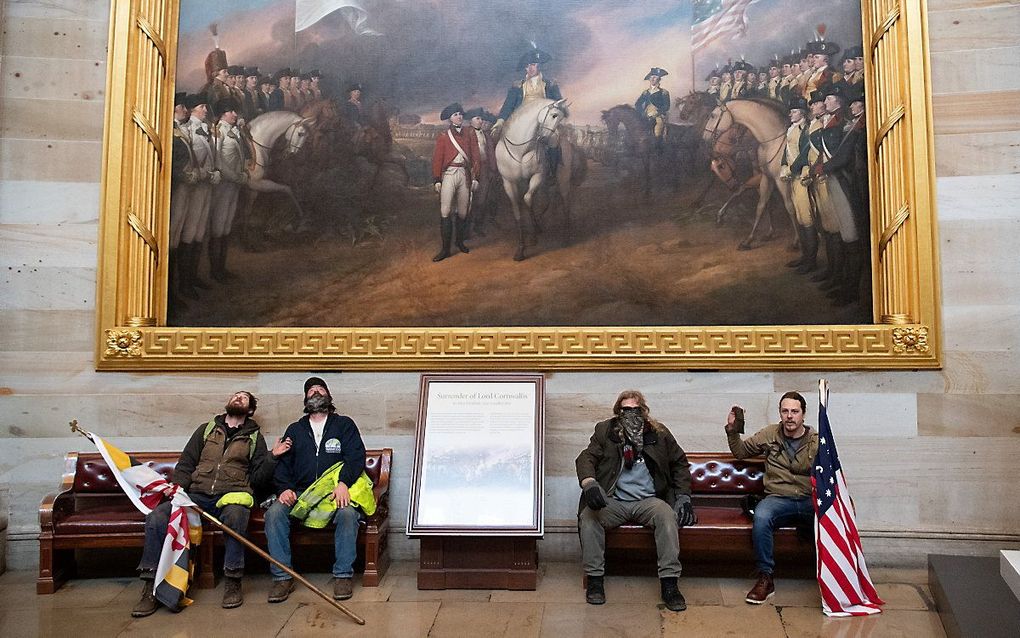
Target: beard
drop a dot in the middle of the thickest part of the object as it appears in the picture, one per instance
(235, 409)
(318, 403)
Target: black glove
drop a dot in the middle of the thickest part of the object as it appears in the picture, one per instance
(685, 515)
(594, 496)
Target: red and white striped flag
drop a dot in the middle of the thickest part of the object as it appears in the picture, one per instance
(714, 19)
(843, 577)
(147, 488)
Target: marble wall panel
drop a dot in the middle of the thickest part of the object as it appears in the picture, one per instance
(975, 28)
(975, 198)
(33, 330)
(50, 160)
(48, 119)
(45, 245)
(38, 287)
(49, 79)
(48, 202)
(959, 415)
(979, 69)
(981, 327)
(979, 112)
(44, 37)
(977, 153)
(58, 9)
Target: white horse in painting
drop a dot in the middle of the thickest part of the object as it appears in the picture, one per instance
(768, 124)
(521, 156)
(264, 131)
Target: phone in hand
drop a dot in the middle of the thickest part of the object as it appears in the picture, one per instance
(738, 419)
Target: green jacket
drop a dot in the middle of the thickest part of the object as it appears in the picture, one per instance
(783, 476)
(666, 461)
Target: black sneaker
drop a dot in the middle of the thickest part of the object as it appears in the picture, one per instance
(671, 594)
(596, 592)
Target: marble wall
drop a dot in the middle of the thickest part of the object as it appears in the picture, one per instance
(930, 456)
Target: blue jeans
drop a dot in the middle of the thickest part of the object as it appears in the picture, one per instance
(345, 539)
(233, 516)
(772, 512)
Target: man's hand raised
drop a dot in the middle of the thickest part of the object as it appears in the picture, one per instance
(735, 420)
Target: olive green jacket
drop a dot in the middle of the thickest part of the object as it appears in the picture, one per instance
(783, 476)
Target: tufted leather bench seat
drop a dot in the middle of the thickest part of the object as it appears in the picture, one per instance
(719, 483)
(91, 511)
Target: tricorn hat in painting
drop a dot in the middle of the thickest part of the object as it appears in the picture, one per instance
(534, 56)
(228, 104)
(449, 111)
(656, 72)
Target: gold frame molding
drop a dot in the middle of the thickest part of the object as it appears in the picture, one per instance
(131, 322)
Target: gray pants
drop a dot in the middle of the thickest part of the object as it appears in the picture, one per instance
(650, 512)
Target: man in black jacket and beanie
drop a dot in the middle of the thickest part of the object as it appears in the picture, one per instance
(224, 463)
(633, 470)
(318, 440)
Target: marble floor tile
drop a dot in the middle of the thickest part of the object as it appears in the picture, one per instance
(63, 622)
(916, 575)
(756, 620)
(410, 619)
(405, 589)
(907, 596)
(789, 592)
(246, 621)
(801, 622)
(492, 620)
(84, 594)
(619, 620)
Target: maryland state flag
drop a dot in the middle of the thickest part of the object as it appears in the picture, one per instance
(147, 488)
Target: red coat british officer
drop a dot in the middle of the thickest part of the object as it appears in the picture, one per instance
(453, 164)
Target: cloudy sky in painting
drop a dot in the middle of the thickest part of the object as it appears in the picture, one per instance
(433, 52)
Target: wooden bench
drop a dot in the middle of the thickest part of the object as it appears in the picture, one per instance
(92, 512)
(719, 485)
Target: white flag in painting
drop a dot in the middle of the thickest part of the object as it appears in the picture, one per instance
(308, 12)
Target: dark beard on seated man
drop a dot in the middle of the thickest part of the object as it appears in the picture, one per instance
(318, 403)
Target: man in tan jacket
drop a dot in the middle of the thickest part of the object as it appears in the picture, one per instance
(789, 448)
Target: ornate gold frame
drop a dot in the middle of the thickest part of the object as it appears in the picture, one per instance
(131, 326)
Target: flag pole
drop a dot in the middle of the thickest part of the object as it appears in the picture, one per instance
(255, 548)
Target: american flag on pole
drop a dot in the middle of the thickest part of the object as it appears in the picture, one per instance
(843, 577)
(146, 488)
(714, 19)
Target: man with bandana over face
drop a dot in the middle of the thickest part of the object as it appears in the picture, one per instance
(319, 440)
(633, 470)
(223, 465)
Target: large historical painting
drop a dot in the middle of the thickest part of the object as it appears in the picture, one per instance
(519, 163)
(518, 184)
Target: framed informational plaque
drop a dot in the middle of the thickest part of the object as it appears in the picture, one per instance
(478, 462)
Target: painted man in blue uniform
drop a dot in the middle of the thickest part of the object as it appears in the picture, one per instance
(534, 86)
(653, 104)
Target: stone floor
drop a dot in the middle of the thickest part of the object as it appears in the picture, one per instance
(92, 608)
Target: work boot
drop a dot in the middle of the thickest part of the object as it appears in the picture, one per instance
(281, 590)
(762, 590)
(147, 604)
(596, 591)
(343, 588)
(232, 596)
(462, 230)
(446, 234)
(671, 594)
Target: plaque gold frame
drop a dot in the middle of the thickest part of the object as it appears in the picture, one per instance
(132, 281)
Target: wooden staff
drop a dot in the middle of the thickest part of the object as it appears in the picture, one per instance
(255, 548)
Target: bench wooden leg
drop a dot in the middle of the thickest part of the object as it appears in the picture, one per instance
(206, 576)
(55, 567)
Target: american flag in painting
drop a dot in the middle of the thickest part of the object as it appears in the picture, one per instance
(715, 19)
(843, 577)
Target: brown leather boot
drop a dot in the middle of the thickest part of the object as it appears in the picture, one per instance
(147, 604)
(232, 596)
(281, 590)
(343, 588)
(762, 590)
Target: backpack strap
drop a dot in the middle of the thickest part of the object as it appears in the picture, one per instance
(252, 438)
